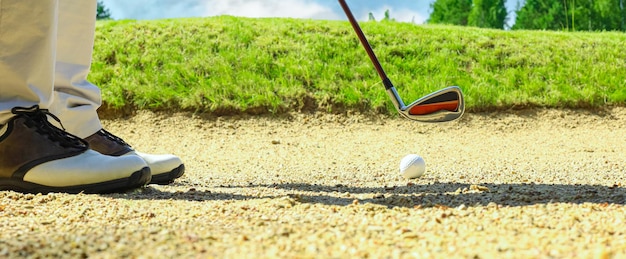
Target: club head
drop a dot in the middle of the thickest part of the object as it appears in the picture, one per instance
(444, 105)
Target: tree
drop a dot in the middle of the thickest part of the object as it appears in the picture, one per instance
(541, 15)
(488, 14)
(387, 16)
(103, 13)
(607, 15)
(587, 15)
(371, 17)
(622, 7)
(454, 12)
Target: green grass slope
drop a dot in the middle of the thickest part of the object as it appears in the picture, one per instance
(225, 65)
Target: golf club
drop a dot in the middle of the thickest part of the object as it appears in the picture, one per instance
(444, 105)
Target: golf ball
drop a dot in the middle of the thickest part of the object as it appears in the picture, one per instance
(412, 166)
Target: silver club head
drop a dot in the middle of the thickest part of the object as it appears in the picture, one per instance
(444, 105)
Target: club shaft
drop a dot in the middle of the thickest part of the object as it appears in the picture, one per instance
(366, 44)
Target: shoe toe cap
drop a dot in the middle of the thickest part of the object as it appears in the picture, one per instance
(160, 164)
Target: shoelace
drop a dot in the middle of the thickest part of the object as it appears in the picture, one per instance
(38, 118)
(112, 137)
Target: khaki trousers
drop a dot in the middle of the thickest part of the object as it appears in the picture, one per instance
(45, 56)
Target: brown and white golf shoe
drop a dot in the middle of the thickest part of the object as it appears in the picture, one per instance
(37, 157)
(165, 168)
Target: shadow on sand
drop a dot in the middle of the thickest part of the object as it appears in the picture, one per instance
(437, 194)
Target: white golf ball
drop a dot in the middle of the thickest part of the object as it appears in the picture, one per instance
(412, 166)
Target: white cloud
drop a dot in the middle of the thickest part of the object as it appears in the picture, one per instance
(402, 10)
(308, 9)
(156, 9)
(270, 8)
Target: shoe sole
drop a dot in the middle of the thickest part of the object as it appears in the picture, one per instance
(135, 180)
(169, 177)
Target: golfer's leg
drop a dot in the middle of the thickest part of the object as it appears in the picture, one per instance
(26, 54)
(34, 155)
(75, 99)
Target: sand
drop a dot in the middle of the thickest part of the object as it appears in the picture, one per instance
(515, 184)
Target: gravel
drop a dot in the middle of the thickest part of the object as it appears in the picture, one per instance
(516, 184)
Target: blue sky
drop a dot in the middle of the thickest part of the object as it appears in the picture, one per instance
(416, 11)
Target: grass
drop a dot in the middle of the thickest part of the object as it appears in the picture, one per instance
(226, 65)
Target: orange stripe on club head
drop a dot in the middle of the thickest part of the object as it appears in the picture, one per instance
(434, 107)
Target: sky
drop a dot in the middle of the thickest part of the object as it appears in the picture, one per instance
(416, 11)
